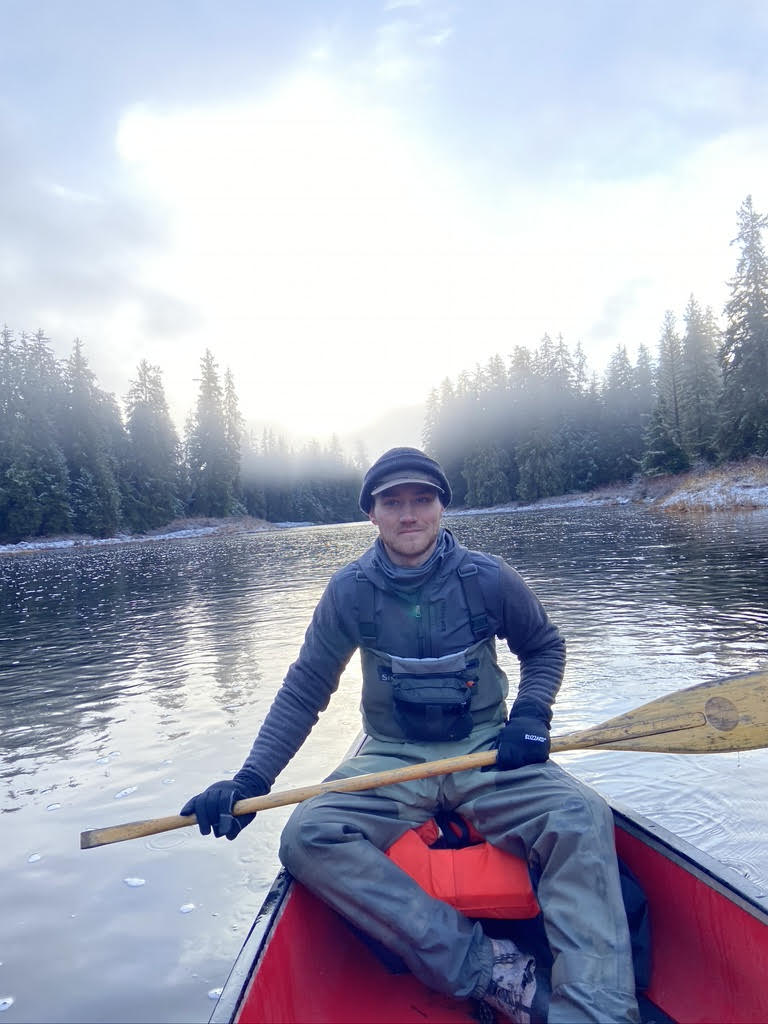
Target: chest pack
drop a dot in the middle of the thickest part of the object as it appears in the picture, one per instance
(430, 700)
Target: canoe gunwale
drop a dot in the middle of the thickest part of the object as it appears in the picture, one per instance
(248, 958)
(718, 876)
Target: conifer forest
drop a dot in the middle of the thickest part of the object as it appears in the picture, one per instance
(531, 424)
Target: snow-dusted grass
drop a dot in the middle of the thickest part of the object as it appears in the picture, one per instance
(736, 486)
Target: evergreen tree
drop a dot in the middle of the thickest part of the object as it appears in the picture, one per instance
(580, 376)
(744, 352)
(431, 421)
(701, 383)
(486, 472)
(34, 485)
(537, 468)
(360, 460)
(44, 403)
(620, 424)
(564, 369)
(448, 440)
(14, 489)
(663, 453)
(233, 434)
(576, 453)
(91, 429)
(151, 463)
(251, 478)
(669, 383)
(209, 463)
(645, 387)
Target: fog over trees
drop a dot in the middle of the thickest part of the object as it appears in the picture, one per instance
(527, 425)
(70, 462)
(537, 424)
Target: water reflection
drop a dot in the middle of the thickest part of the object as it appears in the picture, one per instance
(146, 670)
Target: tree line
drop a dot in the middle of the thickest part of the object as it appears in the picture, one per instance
(539, 424)
(72, 462)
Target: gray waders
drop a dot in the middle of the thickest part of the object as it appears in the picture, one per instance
(334, 845)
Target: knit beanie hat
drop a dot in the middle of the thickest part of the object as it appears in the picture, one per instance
(403, 466)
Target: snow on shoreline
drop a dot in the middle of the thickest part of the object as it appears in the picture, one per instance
(736, 487)
(47, 544)
(739, 487)
(177, 530)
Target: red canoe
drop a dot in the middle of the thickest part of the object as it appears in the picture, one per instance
(302, 963)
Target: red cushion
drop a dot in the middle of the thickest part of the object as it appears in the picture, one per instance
(479, 880)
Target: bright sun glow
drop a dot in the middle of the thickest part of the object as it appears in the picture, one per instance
(340, 268)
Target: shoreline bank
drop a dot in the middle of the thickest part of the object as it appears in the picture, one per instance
(734, 487)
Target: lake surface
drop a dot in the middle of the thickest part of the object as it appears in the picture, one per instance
(133, 676)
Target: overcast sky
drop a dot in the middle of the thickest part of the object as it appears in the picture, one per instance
(348, 201)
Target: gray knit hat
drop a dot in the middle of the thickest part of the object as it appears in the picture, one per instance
(403, 466)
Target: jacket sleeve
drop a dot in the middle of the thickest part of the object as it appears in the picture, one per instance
(305, 692)
(536, 642)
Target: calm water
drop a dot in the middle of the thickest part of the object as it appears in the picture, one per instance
(131, 677)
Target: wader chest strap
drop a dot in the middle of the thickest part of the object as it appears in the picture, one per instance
(473, 595)
(366, 611)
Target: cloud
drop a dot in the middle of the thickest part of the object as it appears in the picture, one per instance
(68, 256)
(406, 44)
(434, 189)
(315, 239)
(339, 265)
(397, 5)
(618, 308)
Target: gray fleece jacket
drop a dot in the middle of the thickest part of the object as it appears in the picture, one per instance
(419, 614)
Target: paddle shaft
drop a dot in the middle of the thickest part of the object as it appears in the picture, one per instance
(727, 715)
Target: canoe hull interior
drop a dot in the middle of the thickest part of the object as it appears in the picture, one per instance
(709, 929)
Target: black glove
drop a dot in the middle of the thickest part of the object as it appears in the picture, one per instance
(213, 807)
(523, 740)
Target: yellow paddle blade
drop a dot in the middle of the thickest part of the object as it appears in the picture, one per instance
(725, 714)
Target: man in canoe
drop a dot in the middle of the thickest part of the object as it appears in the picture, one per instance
(425, 613)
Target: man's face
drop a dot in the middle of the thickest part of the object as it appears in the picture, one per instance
(408, 518)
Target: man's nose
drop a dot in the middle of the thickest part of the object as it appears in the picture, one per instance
(407, 511)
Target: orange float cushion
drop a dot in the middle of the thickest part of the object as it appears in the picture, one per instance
(479, 880)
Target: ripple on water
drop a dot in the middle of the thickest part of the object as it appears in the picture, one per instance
(6, 1002)
(135, 883)
(747, 862)
(167, 840)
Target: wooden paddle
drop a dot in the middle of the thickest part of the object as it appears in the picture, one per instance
(729, 714)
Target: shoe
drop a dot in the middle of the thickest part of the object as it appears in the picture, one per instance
(516, 990)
